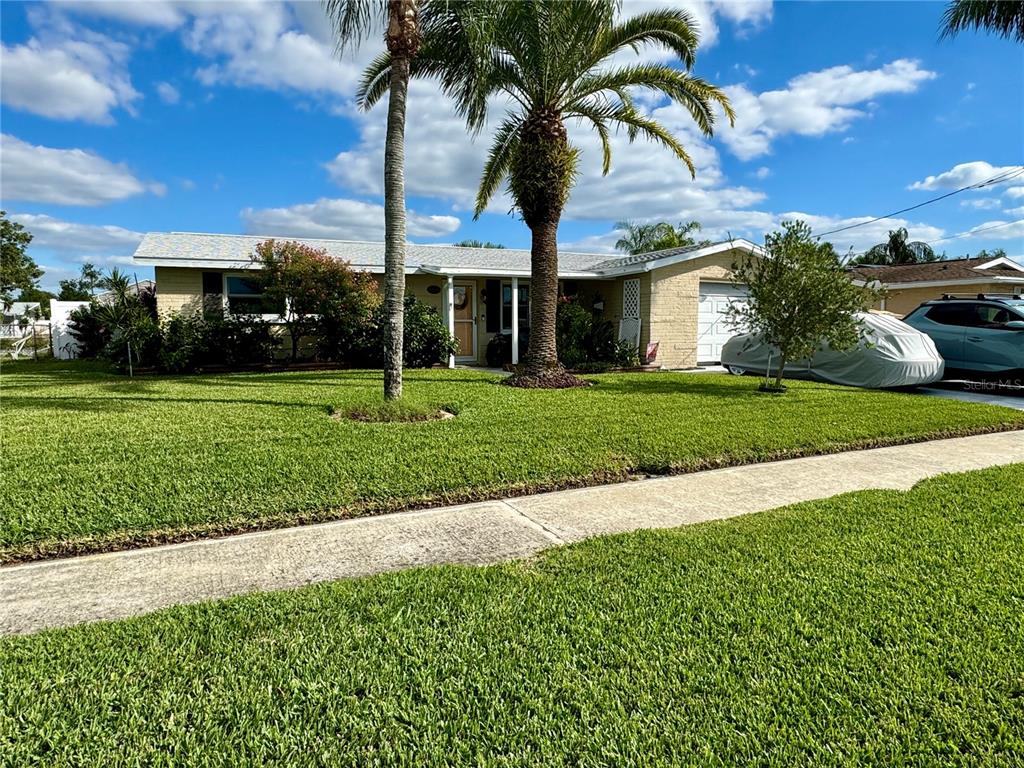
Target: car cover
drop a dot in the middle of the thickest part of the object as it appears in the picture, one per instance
(889, 354)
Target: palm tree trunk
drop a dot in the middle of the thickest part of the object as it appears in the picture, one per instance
(542, 354)
(394, 228)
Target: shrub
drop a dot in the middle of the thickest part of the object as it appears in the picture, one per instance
(586, 342)
(126, 327)
(192, 341)
(311, 289)
(237, 340)
(426, 339)
(499, 348)
(89, 331)
(183, 344)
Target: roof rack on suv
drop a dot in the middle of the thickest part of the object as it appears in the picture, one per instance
(984, 297)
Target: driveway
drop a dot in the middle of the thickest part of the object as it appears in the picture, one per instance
(978, 392)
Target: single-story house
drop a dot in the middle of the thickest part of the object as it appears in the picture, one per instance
(674, 298)
(908, 285)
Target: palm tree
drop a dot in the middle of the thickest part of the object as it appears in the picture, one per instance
(1004, 17)
(353, 20)
(551, 60)
(658, 236)
(898, 251)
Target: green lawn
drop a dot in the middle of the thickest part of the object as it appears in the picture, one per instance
(878, 628)
(90, 459)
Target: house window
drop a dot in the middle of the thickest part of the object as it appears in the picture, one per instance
(245, 297)
(506, 305)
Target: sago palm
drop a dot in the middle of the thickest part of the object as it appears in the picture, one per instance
(552, 62)
(353, 20)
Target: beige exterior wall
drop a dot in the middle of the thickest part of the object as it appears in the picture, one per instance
(178, 289)
(670, 311)
(904, 301)
(668, 302)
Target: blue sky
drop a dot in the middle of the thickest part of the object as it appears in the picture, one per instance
(121, 118)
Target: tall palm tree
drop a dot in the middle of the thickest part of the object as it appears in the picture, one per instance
(353, 20)
(1004, 17)
(551, 60)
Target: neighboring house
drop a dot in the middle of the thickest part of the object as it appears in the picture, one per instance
(908, 285)
(12, 314)
(674, 298)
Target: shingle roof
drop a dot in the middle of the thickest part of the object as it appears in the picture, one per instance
(950, 269)
(235, 250)
(643, 258)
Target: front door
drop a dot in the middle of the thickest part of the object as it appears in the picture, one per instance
(464, 308)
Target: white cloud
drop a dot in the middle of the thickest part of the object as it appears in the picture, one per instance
(341, 219)
(763, 172)
(1014, 192)
(1014, 211)
(963, 175)
(154, 13)
(71, 238)
(79, 78)
(40, 174)
(982, 203)
(997, 230)
(168, 93)
(863, 237)
(814, 104)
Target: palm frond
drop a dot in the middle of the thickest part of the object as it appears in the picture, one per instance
(353, 20)
(499, 161)
(597, 115)
(669, 28)
(1004, 17)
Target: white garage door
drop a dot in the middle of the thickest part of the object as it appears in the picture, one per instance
(713, 325)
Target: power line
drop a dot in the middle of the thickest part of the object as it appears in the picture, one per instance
(975, 231)
(997, 179)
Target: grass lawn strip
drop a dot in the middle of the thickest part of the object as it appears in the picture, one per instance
(93, 461)
(877, 628)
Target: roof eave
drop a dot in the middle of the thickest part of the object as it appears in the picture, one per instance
(937, 283)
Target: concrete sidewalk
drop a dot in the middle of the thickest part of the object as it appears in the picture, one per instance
(120, 584)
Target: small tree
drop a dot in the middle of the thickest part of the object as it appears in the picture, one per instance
(799, 296)
(306, 285)
(17, 269)
(84, 287)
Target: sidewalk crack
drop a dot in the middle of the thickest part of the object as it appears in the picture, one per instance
(535, 524)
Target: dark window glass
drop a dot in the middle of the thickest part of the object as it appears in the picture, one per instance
(213, 283)
(246, 298)
(524, 306)
(953, 314)
(243, 285)
(492, 301)
(506, 305)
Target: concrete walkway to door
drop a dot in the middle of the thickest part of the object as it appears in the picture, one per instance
(120, 584)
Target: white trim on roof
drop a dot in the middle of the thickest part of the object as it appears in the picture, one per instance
(497, 272)
(1002, 261)
(678, 258)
